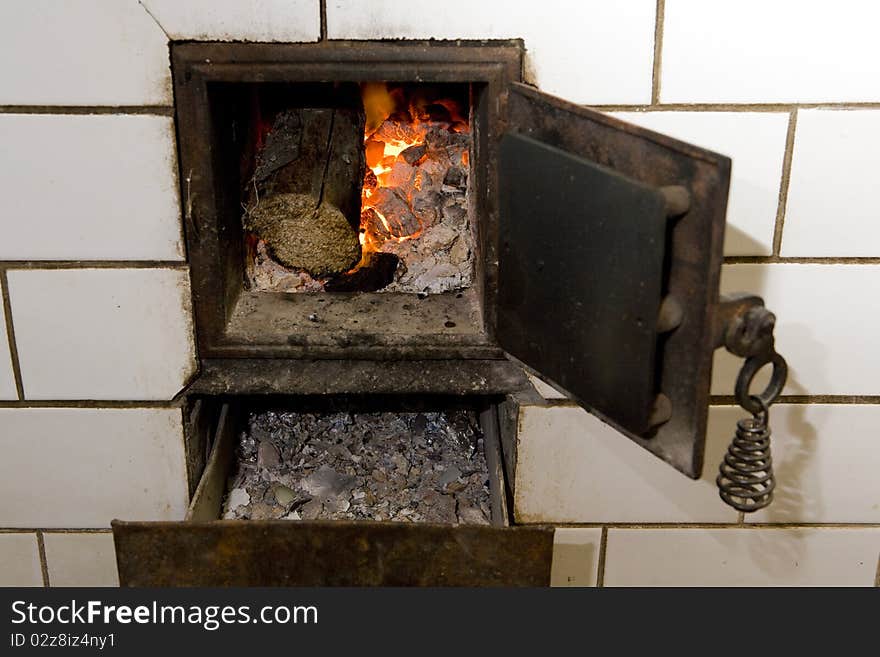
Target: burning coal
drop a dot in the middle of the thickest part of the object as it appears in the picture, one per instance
(414, 230)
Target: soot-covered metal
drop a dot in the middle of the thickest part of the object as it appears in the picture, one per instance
(437, 308)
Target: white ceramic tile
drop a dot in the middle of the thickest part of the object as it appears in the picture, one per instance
(102, 333)
(755, 51)
(575, 556)
(825, 458)
(83, 559)
(756, 143)
(96, 187)
(19, 560)
(75, 467)
(7, 378)
(825, 326)
(238, 20)
(573, 468)
(587, 51)
(833, 209)
(741, 557)
(89, 52)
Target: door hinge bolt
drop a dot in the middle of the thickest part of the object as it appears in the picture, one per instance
(678, 200)
(670, 315)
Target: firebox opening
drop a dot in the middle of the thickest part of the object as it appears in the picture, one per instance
(349, 213)
(361, 190)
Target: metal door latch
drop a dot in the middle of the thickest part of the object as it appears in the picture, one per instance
(745, 328)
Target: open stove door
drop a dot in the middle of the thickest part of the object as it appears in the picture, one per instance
(609, 260)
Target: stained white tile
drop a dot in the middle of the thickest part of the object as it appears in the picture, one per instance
(573, 468)
(833, 208)
(7, 378)
(89, 52)
(587, 51)
(741, 557)
(19, 560)
(756, 143)
(545, 390)
(755, 51)
(825, 458)
(238, 20)
(575, 556)
(102, 333)
(81, 559)
(77, 467)
(95, 187)
(825, 326)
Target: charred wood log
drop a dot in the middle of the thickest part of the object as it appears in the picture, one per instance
(319, 152)
(304, 198)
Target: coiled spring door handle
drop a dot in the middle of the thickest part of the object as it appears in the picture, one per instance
(745, 328)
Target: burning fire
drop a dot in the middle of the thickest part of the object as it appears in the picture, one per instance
(397, 123)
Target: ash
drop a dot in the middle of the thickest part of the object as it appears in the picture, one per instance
(410, 467)
(266, 274)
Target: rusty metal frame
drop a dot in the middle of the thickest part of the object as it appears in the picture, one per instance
(330, 553)
(216, 281)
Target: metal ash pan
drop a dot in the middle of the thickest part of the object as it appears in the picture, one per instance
(398, 466)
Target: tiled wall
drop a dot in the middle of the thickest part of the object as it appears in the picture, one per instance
(97, 336)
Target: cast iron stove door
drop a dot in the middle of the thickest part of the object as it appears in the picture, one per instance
(610, 254)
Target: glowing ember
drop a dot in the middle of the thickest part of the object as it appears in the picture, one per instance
(397, 128)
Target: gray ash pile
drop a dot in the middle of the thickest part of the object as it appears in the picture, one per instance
(410, 467)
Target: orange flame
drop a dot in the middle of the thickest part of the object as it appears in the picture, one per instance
(395, 121)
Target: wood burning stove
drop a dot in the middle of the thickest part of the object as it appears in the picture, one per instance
(326, 186)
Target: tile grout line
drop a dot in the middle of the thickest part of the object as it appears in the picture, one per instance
(89, 403)
(56, 530)
(10, 336)
(730, 400)
(78, 110)
(727, 107)
(798, 260)
(600, 562)
(658, 51)
(784, 183)
(322, 7)
(44, 565)
(831, 526)
(94, 264)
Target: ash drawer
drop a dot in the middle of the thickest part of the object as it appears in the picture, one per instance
(204, 550)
